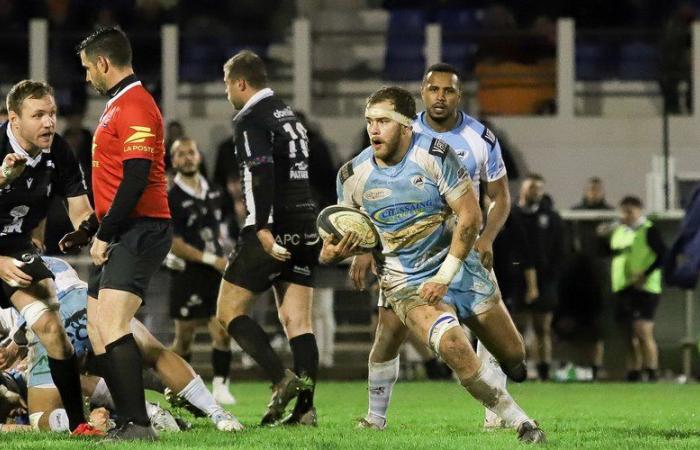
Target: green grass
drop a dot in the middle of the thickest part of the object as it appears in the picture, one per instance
(443, 416)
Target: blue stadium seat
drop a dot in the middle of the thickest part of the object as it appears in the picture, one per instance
(591, 61)
(639, 61)
(404, 69)
(458, 47)
(405, 41)
(458, 19)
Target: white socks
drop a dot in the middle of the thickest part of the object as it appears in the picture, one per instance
(484, 388)
(198, 394)
(498, 378)
(381, 380)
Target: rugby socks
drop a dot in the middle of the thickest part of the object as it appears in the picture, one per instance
(101, 396)
(152, 382)
(305, 355)
(198, 394)
(125, 380)
(482, 387)
(66, 377)
(221, 362)
(381, 379)
(497, 377)
(255, 342)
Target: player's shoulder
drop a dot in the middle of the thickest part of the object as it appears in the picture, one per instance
(137, 100)
(476, 131)
(428, 147)
(356, 165)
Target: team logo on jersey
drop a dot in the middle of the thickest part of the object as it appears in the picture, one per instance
(281, 113)
(438, 148)
(376, 194)
(489, 137)
(140, 134)
(402, 212)
(346, 172)
(418, 181)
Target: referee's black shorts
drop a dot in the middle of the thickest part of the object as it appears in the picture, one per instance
(34, 266)
(133, 257)
(253, 269)
(193, 292)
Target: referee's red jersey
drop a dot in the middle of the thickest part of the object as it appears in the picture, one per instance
(130, 127)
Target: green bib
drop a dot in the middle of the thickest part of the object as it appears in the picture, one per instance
(632, 256)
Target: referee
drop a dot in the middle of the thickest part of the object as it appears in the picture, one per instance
(37, 164)
(278, 243)
(134, 233)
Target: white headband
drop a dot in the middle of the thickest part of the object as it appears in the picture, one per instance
(382, 113)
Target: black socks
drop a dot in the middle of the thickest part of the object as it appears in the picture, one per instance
(254, 341)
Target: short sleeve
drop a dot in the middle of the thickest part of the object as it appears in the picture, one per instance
(69, 176)
(138, 129)
(178, 215)
(345, 174)
(495, 168)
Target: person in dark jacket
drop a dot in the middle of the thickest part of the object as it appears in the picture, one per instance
(544, 230)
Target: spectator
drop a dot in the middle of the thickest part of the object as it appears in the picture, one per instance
(174, 130)
(3, 115)
(226, 174)
(637, 252)
(544, 230)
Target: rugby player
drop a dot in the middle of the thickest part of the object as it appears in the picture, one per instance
(410, 184)
(132, 225)
(278, 243)
(45, 408)
(197, 262)
(480, 154)
(37, 165)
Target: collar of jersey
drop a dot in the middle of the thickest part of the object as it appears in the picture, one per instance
(460, 123)
(252, 101)
(32, 162)
(394, 170)
(123, 86)
(204, 187)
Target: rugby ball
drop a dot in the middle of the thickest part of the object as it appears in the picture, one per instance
(337, 220)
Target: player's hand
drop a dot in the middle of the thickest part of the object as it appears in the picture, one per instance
(98, 252)
(74, 240)
(485, 248)
(221, 264)
(11, 273)
(272, 248)
(332, 252)
(432, 292)
(531, 295)
(358, 270)
(8, 355)
(13, 165)
(39, 244)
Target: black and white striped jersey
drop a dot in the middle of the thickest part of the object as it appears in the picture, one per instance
(273, 152)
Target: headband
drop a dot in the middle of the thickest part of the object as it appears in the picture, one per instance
(381, 113)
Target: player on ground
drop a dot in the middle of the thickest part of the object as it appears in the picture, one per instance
(409, 183)
(480, 153)
(198, 262)
(37, 164)
(44, 404)
(131, 205)
(278, 243)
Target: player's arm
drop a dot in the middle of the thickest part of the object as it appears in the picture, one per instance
(183, 250)
(79, 209)
(496, 216)
(254, 146)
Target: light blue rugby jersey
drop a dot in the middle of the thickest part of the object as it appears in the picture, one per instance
(476, 146)
(408, 205)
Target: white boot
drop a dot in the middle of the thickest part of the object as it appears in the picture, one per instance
(221, 392)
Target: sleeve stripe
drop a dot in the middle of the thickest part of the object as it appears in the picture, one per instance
(246, 144)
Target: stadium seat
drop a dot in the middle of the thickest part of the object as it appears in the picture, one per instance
(405, 42)
(591, 61)
(638, 61)
(459, 38)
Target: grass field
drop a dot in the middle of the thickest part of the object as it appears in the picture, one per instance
(442, 416)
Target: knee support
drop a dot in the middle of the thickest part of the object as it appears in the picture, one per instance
(33, 311)
(442, 325)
